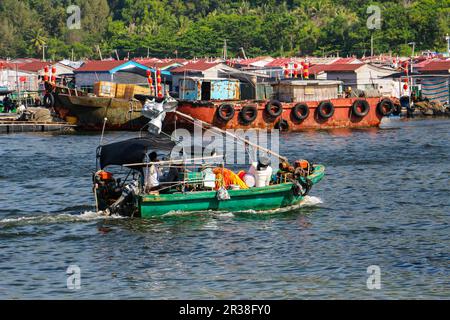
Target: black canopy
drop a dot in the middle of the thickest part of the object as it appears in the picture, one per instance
(132, 150)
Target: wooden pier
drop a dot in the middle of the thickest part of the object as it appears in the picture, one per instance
(32, 126)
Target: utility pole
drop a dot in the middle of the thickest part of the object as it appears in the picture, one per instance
(18, 83)
(73, 56)
(412, 55)
(99, 52)
(447, 37)
(243, 53)
(224, 50)
(148, 52)
(43, 52)
(371, 47)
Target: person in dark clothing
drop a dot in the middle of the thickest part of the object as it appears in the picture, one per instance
(7, 104)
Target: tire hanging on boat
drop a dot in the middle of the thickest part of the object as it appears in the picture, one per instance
(225, 112)
(282, 125)
(49, 100)
(300, 111)
(274, 108)
(248, 114)
(385, 107)
(325, 109)
(360, 104)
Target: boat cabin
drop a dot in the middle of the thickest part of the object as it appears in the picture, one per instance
(205, 89)
(306, 90)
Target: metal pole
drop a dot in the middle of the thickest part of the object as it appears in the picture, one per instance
(371, 47)
(448, 44)
(18, 83)
(103, 131)
(232, 135)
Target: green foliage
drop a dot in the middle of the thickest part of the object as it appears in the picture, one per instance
(196, 28)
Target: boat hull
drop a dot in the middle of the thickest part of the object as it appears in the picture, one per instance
(342, 117)
(88, 113)
(258, 199)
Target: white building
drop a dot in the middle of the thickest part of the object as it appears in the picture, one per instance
(359, 76)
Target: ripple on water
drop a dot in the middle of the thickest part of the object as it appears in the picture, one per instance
(384, 201)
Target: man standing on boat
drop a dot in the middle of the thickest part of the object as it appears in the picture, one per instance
(152, 173)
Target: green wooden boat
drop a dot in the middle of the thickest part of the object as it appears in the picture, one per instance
(129, 198)
(188, 194)
(258, 199)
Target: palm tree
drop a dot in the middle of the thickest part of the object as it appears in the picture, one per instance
(38, 39)
(182, 23)
(244, 8)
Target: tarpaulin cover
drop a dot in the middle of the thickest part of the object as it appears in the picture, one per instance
(133, 150)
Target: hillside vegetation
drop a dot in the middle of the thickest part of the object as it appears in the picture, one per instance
(167, 28)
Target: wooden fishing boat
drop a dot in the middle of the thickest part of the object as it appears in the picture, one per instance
(132, 200)
(259, 199)
(192, 190)
(89, 112)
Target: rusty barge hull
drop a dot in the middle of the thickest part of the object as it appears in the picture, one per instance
(89, 113)
(343, 116)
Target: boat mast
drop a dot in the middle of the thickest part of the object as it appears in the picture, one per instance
(231, 135)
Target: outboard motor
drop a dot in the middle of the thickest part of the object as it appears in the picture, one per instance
(125, 204)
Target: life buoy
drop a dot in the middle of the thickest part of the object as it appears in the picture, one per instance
(385, 107)
(325, 109)
(248, 114)
(300, 111)
(282, 125)
(274, 108)
(225, 112)
(360, 108)
(49, 100)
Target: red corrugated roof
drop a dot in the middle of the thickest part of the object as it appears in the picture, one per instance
(280, 62)
(344, 60)
(100, 66)
(437, 66)
(201, 65)
(247, 62)
(335, 67)
(34, 66)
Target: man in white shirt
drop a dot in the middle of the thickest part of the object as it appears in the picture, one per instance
(262, 171)
(152, 174)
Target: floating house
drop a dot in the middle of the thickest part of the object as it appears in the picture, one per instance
(359, 76)
(306, 90)
(435, 81)
(13, 78)
(223, 81)
(204, 89)
(117, 71)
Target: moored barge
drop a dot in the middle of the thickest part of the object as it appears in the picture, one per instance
(296, 105)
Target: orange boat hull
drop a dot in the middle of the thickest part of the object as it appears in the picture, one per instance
(342, 117)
